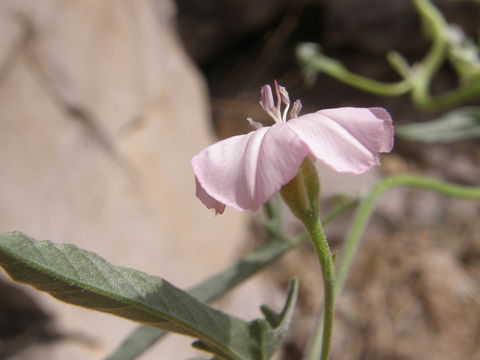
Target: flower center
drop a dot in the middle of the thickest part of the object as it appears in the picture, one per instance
(274, 109)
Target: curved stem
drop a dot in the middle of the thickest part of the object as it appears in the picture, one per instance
(310, 57)
(368, 204)
(432, 62)
(430, 65)
(436, 55)
(455, 97)
(416, 80)
(325, 258)
(361, 219)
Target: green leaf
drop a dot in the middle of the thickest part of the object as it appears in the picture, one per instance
(460, 124)
(211, 289)
(83, 278)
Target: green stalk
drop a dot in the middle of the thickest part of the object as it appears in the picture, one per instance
(312, 59)
(143, 337)
(325, 258)
(368, 204)
(361, 219)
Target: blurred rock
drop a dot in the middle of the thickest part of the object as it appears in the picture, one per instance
(100, 113)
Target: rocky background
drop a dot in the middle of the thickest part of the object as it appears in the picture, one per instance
(102, 105)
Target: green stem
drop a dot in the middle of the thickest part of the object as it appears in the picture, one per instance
(416, 80)
(432, 62)
(325, 258)
(429, 66)
(460, 95)
(213, 288)
(310, 57)
(361, 219)
(435, 22)
(368, 204)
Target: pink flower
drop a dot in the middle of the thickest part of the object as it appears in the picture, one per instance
(245, 171)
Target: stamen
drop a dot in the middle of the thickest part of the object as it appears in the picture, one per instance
(296, 108)
(285, 112)
(255, 124)
(266, 99)
(268, 104)
(279, 97)
(275, 109)
(284, 95)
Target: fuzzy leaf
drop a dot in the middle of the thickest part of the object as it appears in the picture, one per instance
(83, 278)
(460, 124)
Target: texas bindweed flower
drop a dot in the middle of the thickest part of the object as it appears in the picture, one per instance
(245, 171)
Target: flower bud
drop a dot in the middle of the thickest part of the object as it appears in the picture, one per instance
(302, 193)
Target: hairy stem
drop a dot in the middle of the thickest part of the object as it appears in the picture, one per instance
(360, 222)
(368, 204)
(325, 258)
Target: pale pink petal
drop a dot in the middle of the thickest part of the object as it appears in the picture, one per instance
(207, 200)
(245, 171)
(387, 140)
(346, 139)
(371, 127)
